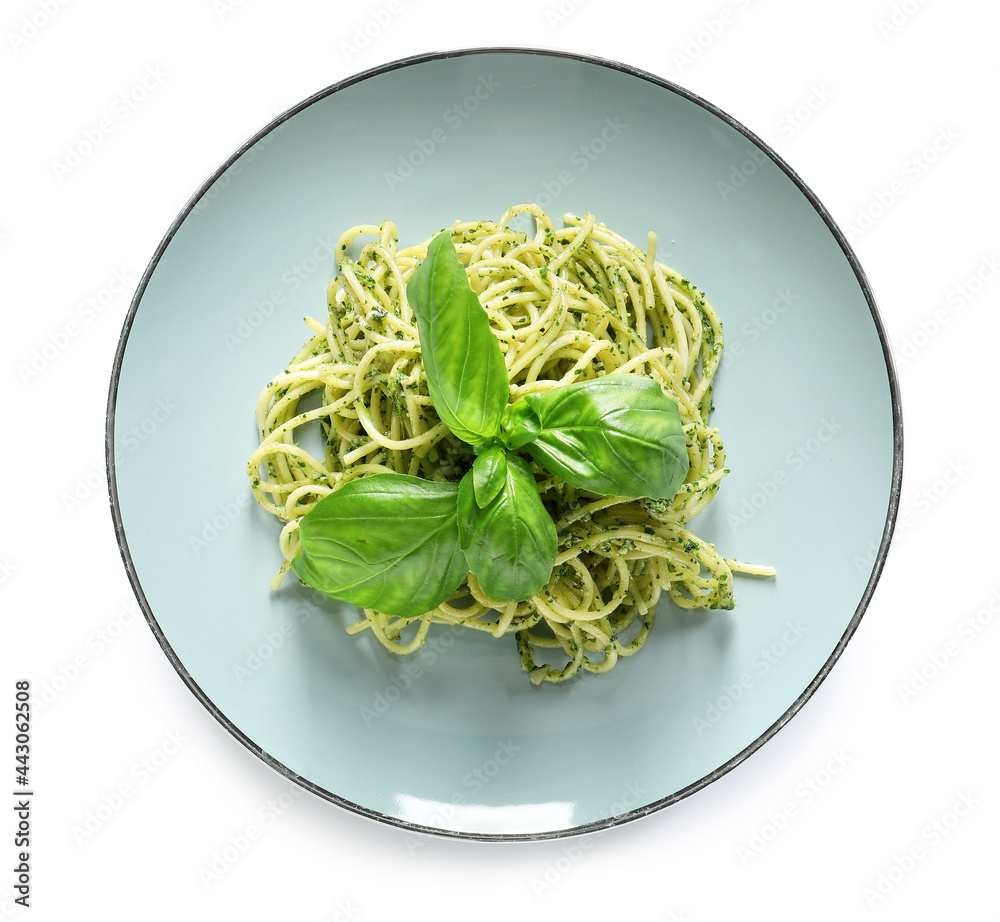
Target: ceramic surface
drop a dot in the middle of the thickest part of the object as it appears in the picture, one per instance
(455, 739)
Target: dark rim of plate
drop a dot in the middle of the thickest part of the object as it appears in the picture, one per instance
(897, 471)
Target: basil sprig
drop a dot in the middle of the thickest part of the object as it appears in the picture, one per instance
(388, 541)
(466, 375)
(402, 545)
(616, 435)
(510, 541)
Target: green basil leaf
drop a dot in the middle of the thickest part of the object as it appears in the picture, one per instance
(619, 435)
(520, 424)
(388, 542)
(510, 544)
(466, 375)
(489, 473)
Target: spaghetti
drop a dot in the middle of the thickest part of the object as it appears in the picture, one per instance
(565, 304)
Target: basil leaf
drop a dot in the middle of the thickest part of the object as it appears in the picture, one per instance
(619, 435)
(489, 473)
(387, 541)
(511, 543)
(466, 375)
(520, 424)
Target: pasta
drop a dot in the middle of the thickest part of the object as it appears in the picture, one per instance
(565, 304)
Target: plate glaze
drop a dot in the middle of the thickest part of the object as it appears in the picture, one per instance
(454, 739)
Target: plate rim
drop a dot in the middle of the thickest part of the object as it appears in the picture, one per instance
(629, 815)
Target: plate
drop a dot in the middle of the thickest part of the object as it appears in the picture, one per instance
(454, 739)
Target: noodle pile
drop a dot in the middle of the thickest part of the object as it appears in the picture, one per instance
(566, 304)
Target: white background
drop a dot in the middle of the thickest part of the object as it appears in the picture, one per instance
(887, 109)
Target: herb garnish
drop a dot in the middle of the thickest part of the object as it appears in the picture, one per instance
(402, 545)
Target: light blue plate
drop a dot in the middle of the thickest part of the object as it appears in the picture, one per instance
(455, 739)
